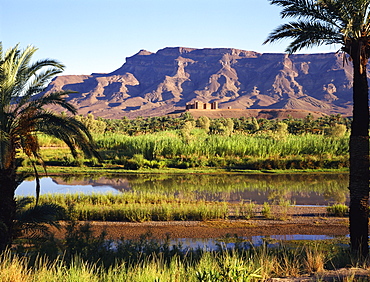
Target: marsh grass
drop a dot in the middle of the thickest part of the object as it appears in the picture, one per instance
(157, 263)
(150, 212)
(266, 211)
(141, 206)
(135, 207)
(244, 151)
(339, 210)
(245, 210)
(283, 209)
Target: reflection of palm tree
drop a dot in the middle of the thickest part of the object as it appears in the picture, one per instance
(346, 23)
(22, 117)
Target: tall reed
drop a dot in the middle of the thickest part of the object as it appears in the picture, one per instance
(170, 145)
(136, 207)
(257, 263)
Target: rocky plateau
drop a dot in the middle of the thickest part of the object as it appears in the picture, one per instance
(155, 84)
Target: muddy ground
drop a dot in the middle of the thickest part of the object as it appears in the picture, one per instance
(298, 220)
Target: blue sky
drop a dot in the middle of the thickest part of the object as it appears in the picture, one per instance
(97, 35)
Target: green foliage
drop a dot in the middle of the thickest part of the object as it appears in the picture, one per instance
(266, 210)
(339, 210)
(281, 129)
(84, 257)
(336, 130)
(186, 131)
(245, 210)
(203, 123)
(92, 124)
(135, 207)
(224, 126)
(230, 143)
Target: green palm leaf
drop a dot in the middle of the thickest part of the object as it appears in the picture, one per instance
(344, 22)
(24, 114)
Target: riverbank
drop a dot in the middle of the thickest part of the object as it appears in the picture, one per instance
(117, 170)
(299, 220)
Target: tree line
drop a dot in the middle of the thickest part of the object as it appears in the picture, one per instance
(333, 125)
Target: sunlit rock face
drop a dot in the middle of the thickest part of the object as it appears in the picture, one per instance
(154, 84)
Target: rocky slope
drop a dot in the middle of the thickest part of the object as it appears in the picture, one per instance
(153, 84)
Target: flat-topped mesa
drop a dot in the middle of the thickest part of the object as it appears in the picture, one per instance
(205, 52)
(174, 51)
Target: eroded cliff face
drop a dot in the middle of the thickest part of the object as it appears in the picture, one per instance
(151, 84)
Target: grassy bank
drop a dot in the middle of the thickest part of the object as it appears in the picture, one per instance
(144, 206)
(199, 150)
(151, 261)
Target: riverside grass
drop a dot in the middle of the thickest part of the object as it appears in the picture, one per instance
(257, 263)
(135, 207)
(145, 206)
(170, 149)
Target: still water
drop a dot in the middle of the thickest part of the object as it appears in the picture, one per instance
(214, 244)
(301, 189)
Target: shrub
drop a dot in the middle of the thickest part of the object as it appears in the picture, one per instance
(339, 210)
(266, 210)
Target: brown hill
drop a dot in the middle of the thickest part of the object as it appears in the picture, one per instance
(154, 84)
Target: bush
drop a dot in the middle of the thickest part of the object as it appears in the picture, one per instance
(339, 210)
(266, 210)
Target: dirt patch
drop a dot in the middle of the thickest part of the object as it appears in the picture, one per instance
(219, 228)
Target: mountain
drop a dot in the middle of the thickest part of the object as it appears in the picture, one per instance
(153, 84)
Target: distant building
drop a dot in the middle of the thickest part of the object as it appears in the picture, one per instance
(198, 105)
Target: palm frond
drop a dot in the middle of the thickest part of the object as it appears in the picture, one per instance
(305, 35)
(23, 112)
(310, 10)
(23, 202)
(322, 22)
(55, 98)
(1, 51)
(71, 131)
(33, 221)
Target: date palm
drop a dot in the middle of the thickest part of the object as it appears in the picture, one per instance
(347, 23)
(23, 115)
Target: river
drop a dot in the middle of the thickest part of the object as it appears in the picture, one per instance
(299, 189)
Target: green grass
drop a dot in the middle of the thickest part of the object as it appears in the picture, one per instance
(257, 263)
(152, 206)
(339, 210)
(170, 145)
(238, 151)
(136, 207)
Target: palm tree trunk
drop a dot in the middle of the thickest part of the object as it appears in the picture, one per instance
(8, 185)
(359, 158)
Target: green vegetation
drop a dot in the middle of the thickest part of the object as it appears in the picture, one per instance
(156, 206)
(83, 257)
(184, 143)
(139, 207)
(221, 126)
(338, 210)
(23, 117)
(345, 23)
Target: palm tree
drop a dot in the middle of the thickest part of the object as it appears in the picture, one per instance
(319, 22)
(24, 114)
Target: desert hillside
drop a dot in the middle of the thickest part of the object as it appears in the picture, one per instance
(154, 84)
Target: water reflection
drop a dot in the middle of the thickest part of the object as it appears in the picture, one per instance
(211, 244)
(51, 185)
(301, 189)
